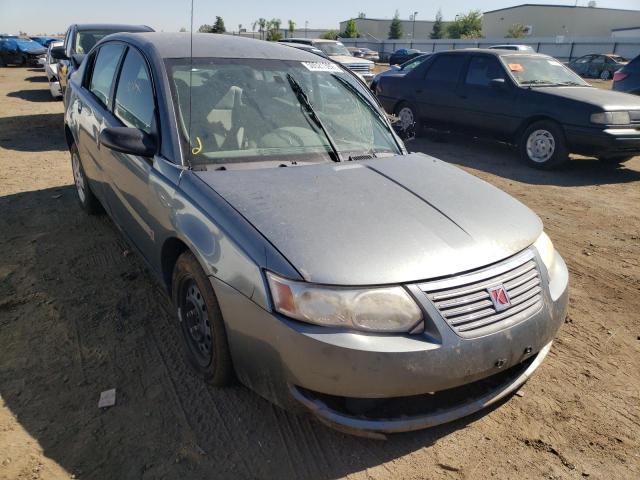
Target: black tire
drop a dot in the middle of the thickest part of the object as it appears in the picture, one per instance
(417, 127)
(605, 75)
(86, 198)
(201, 322)
(543, 145)
(615, 160)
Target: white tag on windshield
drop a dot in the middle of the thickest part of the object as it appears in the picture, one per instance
(321, 67)
(554, 62)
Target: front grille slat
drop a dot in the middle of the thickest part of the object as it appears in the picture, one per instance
(465, 303)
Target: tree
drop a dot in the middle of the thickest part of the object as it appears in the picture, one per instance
(273, 30)
(329, 35)
(292, 27)
(218, 27)
(261, 23)
(206, 28)
(395, 30)
(438, 28)
(362, 15)
(466, 26)
(517, 30)
(182, 29)
(351, 30)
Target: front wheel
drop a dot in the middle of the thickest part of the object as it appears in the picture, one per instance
(87, 199)
(542, 145)
(201, 322)
(605, 75)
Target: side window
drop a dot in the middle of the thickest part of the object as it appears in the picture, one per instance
(134, 96)
(599, 59)
(483, 69)
(104, 70)
(446, 69)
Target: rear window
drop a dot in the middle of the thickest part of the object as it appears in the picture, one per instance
(446, 68)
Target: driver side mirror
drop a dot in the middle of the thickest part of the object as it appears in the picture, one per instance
(499, 83)
(131, 141)
(57, 53)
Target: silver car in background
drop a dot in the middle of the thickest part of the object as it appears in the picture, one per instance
(305, 250)
(55, 52)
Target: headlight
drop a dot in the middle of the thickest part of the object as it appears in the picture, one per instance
(388, 309)
(611, 118)
(546, 250)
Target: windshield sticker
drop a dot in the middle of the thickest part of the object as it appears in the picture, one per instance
(516, 67)
(321, 67)
(554, 62)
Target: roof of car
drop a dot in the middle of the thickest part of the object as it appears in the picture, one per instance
(495, 51)
(311, 40)
(207, 45)
(112, 26)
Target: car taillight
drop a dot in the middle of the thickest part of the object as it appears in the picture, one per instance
(619, 76)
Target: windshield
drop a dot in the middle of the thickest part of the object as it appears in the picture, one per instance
(246, 110)
(85, 40)
(332, 49)
(538, 70)
(411, 64)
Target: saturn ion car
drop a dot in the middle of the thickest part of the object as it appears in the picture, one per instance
(307, 253)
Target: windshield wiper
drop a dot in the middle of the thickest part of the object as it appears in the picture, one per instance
(307, 107)
(571, 83)
(538, 82)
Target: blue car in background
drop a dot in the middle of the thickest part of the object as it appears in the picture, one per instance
(45, 41)
(399, 70)
(20, 51)
(403, 55)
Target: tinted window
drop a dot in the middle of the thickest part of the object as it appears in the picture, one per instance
(482, 70)
(104, 69)
(598, 59)
(134, 96)
(446, 68)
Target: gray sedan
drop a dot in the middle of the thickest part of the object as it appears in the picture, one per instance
(306, 252)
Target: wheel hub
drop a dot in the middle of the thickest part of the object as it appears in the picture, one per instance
(540, 146)
(196, 323)
(78, 177)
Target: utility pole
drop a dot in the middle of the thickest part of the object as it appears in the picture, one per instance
(413, 29)
(306, 26)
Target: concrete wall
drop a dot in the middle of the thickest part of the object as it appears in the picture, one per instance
(549, 21)
(626, 33)
(379, 28)
(567, 50)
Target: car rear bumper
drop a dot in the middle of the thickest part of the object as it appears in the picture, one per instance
(604, 142)
(299, 365)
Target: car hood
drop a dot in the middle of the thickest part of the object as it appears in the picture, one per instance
(380, 221)
(350, 60)
(597, 97)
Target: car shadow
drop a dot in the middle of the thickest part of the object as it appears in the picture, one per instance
(32, 95)
(37, 79)
(86, 316)
(33, 133)
(502, 160)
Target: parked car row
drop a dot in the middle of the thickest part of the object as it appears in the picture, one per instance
(339, 53)
(20, 51)
(255, 186)
(524, 98)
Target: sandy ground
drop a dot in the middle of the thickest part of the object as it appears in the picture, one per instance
(79, 315)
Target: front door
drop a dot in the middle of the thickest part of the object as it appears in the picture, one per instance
(487, 105)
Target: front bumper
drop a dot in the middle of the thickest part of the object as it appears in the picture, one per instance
(297, 365)
(618, 141)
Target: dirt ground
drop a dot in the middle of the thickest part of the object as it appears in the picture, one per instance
(79, 315)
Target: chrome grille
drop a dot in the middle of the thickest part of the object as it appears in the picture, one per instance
(358, 67)
(464, 301)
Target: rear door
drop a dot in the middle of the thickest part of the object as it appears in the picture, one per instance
(485, 108)
(582, 64)
(436, 95)
(128, 175)
(92, 108)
